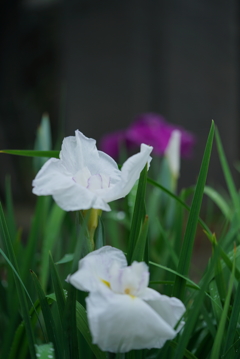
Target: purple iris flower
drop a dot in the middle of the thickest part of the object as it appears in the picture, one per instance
(151, 129)
(114, 141)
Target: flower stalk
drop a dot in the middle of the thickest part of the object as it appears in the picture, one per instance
(92, 216)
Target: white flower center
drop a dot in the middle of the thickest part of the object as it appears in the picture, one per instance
(91, 182)
(132, 280)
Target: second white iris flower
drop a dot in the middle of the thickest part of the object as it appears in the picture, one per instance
(123, 313)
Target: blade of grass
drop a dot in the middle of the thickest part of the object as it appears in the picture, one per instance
(190, 284)
(224, 256)
(139, 250)
(179, 200)
(32, 153)
(187, 247)
(82, 326)
(209, 321)
(19, 288)
(173, 258)
(220, 331)
(19, 343)
(216, 302)
(83, 246)
(138, 214)
(219, 200)
(66, 259)
(99, 236)
(51, 234)
(58, 289)
(204, 347)
(48, 317)
(70, 323)
(207, 231)
(194, 310)
(227, 174)
(17, 275)
(37, 225)
(187, 353)
(232, 332)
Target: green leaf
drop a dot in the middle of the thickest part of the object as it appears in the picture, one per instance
(19, 288)
(187, 247)
(220, 280)
(139, 250)
(70, 325)
(227, 174)
(32, 153)
(99, 236)
(19, 343)
(82, 248)
(227, 261)
(82, 325)
(219, 200)
(16, 274)
(51, 234)
(138, 214)
(191, 284)
(176, 273)
(66, 258)
(216, 302)
(232, 327)
(187, 353)
(48, 317)
(193, 312)
(60, 297)
(177, 199)
(220, 332)
(45, 351)
(207, 317)
(35, 233)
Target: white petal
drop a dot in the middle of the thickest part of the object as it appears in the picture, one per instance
(82, 176)
(105, 181)
(172, 152)
(131, 280)
(52, 176)
(77, 197)
(170, 309)
(149, 294)
(94, 268)
(106, 165)
(94, 182)
(79, 151)
(120, 323)
(130, 172)
(76, 151)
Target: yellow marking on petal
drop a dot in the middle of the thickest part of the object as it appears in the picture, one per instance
(106, 283)
(127, 291)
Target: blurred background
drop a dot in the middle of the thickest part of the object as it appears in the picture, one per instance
(94, 65)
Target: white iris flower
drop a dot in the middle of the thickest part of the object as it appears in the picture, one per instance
(123, 313)
(85, 178)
